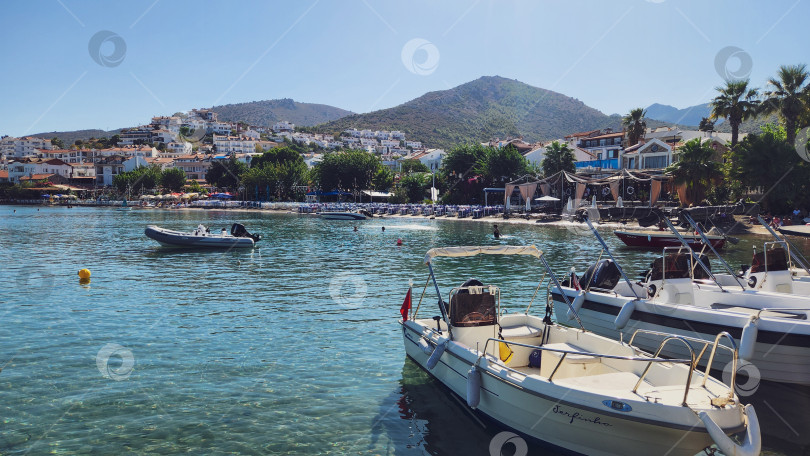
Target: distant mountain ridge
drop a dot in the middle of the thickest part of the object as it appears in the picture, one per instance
(687, 116)
(267, 112)
(70, 137)
(488, 107)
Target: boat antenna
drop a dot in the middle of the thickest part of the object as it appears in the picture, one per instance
(442, 306)
(559, 287)
(708, 244)
(610, 254)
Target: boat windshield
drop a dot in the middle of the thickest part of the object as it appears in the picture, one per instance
(473, 306)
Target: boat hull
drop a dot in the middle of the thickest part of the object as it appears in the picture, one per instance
(342, 216)
(781, 353)
(664, 239)
(169, 238)
(576, 421)
(796, 230)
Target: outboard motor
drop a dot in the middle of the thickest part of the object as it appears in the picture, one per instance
(238, 230)
(604, 275)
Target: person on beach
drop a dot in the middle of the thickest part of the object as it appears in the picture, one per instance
(497, 232)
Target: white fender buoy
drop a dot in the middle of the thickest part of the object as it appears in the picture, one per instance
(752, 444)
(748, 339)
(473, 387)
(576, 304)
(437, 353)
(425, 346)
(624, 315)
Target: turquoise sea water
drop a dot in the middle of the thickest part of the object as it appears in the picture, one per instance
(291, 348)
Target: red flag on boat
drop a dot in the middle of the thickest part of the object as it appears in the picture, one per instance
(575, 281)
(406, 306)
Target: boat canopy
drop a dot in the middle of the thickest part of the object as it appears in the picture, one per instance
(467, 251)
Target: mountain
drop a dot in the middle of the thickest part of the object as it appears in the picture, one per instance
(692, 115)
(267, 112)
(70, 137)
(479, 110)
(687, 116)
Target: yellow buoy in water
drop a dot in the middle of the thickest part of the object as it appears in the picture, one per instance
(84, 274)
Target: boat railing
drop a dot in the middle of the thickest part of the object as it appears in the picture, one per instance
(649, 360)
(782, 309)
(696, 359)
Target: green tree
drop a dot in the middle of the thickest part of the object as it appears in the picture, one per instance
(225, 173)
(346, 170)
(412, 166)
(139, 180)
(276, 174)
(499, 166)
(735, 102)
(769, 161)
(695, 168)
(635, 124)
(559, 157)
(173, 179)
(416, 186)
(58, 143)
(706, 124)
(383, 180)
(787, 96)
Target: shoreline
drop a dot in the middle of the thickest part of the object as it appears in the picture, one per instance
(493, 219)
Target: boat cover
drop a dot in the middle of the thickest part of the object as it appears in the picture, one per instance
(467, 251)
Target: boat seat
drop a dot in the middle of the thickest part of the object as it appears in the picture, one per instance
(514, 332)
(571, 358)
(611, 381)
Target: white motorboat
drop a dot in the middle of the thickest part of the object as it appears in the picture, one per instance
(570, 388)
(345, 215)
(202, 237)
(677, 296)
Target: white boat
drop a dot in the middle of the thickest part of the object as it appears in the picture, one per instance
(203, 237)
(569, 388)
(679, 297)
(345, 215)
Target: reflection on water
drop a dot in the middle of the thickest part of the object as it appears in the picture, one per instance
(290, 348)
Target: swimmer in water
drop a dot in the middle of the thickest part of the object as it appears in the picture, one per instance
(383, 228)
(355, 228)
(497, 232)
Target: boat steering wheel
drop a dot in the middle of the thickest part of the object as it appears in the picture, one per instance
(473, 317)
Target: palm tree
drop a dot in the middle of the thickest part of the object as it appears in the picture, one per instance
(737, 103)
(695, 168)
(635, 125)
(559, 157)
(787, 96)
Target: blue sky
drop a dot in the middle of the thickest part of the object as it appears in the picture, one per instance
(612, 55)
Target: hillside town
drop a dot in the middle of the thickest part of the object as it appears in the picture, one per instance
(193, 141)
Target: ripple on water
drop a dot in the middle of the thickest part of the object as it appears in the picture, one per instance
(291, 348)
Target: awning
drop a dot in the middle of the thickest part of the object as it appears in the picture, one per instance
(468, 251)
(374, 194)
